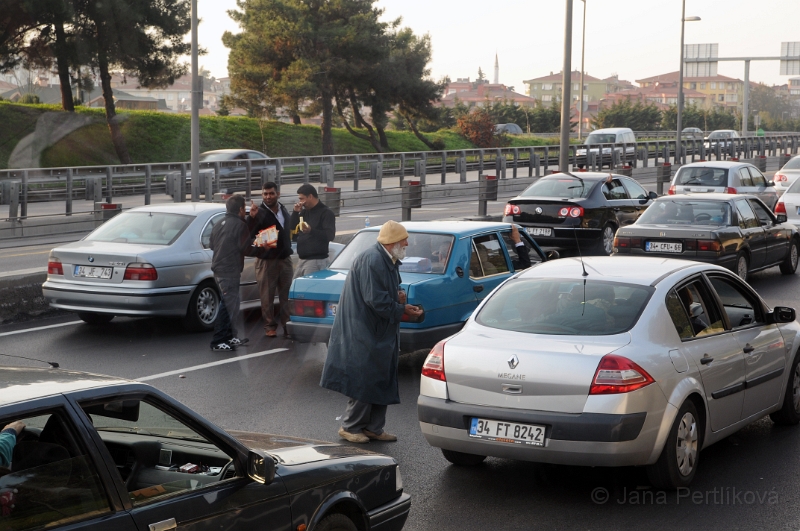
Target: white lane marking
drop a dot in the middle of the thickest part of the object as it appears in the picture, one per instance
(39, 328)
(212, 364)
(21, 272)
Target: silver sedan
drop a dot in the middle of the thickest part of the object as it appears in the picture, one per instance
(148, 261)
(630, 361)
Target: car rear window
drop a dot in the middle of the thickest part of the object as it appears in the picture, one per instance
(561, 187)
(702, 176)
(794, 188)
(565, 307)
(601, 138)
(676, 212)
(426, 252)
(793, 164)
(144, 228)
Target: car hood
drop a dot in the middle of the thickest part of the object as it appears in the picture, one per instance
(296, 451)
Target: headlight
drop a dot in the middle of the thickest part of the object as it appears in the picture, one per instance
(398, 479)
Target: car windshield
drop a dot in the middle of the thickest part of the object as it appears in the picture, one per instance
(214, 157)
(426, 252)
(601, 138)
(562, 186)
(564, 307)
(793, 164)
(677, 212)
(144, 228)
(702, 176)
(719, 134)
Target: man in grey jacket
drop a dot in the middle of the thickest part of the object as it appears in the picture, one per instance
(231, 242)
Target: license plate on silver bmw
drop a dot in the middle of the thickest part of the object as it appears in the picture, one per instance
(663, 247)
(539, 231)
(92, 272)
(507, 432)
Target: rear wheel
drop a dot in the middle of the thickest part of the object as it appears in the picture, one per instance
(606, 245)
(677, 464)
(462, 459)
(336, 522)
(789, 413)
(95, 318)
(789, 264)
(742, 266)
(203, 308)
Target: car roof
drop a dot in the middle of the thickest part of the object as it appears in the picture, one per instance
(585, 175)
(612, 130)
(727, 164)
(643, 270)
(711, 196)
(462, 228)
(190, 209)
(725, 131)
(18, 384)
(229, 151)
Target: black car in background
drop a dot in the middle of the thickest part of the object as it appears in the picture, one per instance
(737, 232)
(101, 453)
(564, 210)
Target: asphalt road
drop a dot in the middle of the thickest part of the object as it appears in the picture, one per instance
(748, 481)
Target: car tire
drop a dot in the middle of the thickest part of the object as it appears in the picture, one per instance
(92, 318)
(336, 522)
(203, 309)
(789, 264)
(462, 459)
(606, 244)
(742, 266)
(677, 464)
(789, 413)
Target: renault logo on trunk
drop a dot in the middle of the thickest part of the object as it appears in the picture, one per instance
(513, 361)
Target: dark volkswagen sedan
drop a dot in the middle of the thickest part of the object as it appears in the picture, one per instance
(100, 453)
(584, 208)
(736, 232)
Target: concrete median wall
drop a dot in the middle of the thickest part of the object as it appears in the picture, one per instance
(21, 297)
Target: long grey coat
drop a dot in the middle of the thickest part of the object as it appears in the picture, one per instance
(365, 341)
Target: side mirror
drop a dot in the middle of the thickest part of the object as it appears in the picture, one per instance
(260, 467)
(553, 255)
(781, 218)
(782, 314)
(653, 195)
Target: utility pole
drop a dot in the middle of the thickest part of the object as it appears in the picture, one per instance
(197, 98)
(583, 55)
(566, 87)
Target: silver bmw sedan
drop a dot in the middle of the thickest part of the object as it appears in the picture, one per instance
(613, 361)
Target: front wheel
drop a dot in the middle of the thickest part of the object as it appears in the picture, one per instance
(677, 464)
(789, 413)
(203, 309)
(336, 522)
(789, 264)
(462, 459)
(92, 318)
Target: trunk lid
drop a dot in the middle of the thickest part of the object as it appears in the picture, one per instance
(542, 210)
(554, 373)
(91, 254)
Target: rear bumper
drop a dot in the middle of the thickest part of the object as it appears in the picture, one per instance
(392, 516)
(171, 301)
(410, 338)
(565, 238)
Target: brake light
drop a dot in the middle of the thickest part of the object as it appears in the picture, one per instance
(54, 267)
(572, 212)
(708, 245)
(616, 374)
(511, 210)
(304, 308)
(622, 245)
(730, 190)
(434, 363)
(779, 177)
(672, 190)
(780, 208)
(146, 272)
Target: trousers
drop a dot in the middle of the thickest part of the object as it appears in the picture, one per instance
(274, 276)
(362, 416)
(225, 326)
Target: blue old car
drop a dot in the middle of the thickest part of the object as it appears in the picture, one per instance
(449, 268)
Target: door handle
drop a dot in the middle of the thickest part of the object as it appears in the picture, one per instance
(477, 288)
(164, 525)
(616, 209)
(512, 389)
(748, 348)
(706, 359)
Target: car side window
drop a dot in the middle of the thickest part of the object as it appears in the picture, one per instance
(614, 190)
(157, 455)
(739, 305)
(511, 248)
(747, 218)
(241, 156)
(762, 214)
(205, 236)
(635, 190)
(679, 317)
(489, 256)
(758, 177)
(744, 177)
(50, 480)
(700, 309)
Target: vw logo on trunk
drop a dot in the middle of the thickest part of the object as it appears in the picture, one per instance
(513, 361)
(538, 210)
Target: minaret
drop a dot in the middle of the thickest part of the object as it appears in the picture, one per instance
(496, 70)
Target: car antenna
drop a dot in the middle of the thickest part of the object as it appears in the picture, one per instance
(575, 233)
(52, 364)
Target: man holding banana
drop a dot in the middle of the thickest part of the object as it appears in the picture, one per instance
(314, 225)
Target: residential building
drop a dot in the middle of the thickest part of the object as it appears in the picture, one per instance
(51, 94)
(479, 92)
(721, 91)
(547, 89)
(661, 95)
(178, 96)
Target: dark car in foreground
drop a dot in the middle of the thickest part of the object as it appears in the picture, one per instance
(736, 232)
(102, 453)
(567, 210)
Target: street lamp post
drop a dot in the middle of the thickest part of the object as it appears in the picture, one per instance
(197, 98)
(566, 97)
(583, 53)
(684, 20)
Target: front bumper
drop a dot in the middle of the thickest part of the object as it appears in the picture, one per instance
(392, 516)
(168, 302)
(583, 439)
(410, 338)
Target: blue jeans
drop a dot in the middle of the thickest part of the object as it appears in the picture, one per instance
(224, 328)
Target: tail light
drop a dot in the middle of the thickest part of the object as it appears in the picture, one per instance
(672, 190)
(407, 319)
(304, 308)
(708, 245)
(622, 245)
(616, 374)
(730, 190)
(54, 267)
(571, 212)
(511, 210)
(780, 208)
(434, 363)
(140, 272)
(779, 177)
(689, 245)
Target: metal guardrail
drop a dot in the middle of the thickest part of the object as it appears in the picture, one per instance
(19, 188)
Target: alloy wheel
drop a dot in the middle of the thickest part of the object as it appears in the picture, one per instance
(793, 256)
(741, 268)
(608, 239)
(207, 305)
(686, 445)
(796, 388)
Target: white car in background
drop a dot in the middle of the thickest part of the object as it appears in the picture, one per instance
(787, 175)
(788, 206)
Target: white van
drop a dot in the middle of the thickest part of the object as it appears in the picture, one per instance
(612, 135)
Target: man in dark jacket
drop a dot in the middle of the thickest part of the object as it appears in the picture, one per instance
(364, 347)
(274, 269)
(231, 242)
(318, 229)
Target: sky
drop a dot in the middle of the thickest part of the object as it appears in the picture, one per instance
(632, 38)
